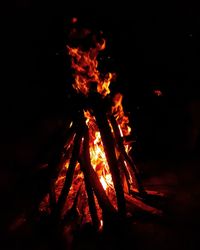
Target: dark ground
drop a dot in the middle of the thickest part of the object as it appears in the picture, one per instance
(152, 47)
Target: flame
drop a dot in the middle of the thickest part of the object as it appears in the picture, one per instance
(85, 65)
(97, 153)
(121, 118)
(104, 184)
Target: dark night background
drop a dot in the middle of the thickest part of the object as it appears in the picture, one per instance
(152, 46)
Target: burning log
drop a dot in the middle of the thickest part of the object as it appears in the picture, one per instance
(109, 147)
(93, 183)
(94, 180)
(84, 163)
(125, 157)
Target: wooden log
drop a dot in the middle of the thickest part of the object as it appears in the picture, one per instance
(43, 179)
(61, 165)
(124, 174)
(91, 200)
(127, 174)
(109, 148)
(155, 193)
(95, 183)
(89, 190)
(69, 175)
(57, 162)
(73, 212)
(61, 153)
(52, 195)
(141, 205)
(119, 141)
(149, 193)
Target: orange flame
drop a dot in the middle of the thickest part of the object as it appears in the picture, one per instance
(121, 118)
(85, 65)
(97, 154)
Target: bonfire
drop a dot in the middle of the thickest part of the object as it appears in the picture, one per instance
(93, 172)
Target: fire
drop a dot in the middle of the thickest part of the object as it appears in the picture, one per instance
(85, 65)
(97, 154)
(95, 173)
(93, 176)
(122, 119)
(86, 74)
(103, 182)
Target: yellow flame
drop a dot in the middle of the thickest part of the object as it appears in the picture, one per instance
(103, 182)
